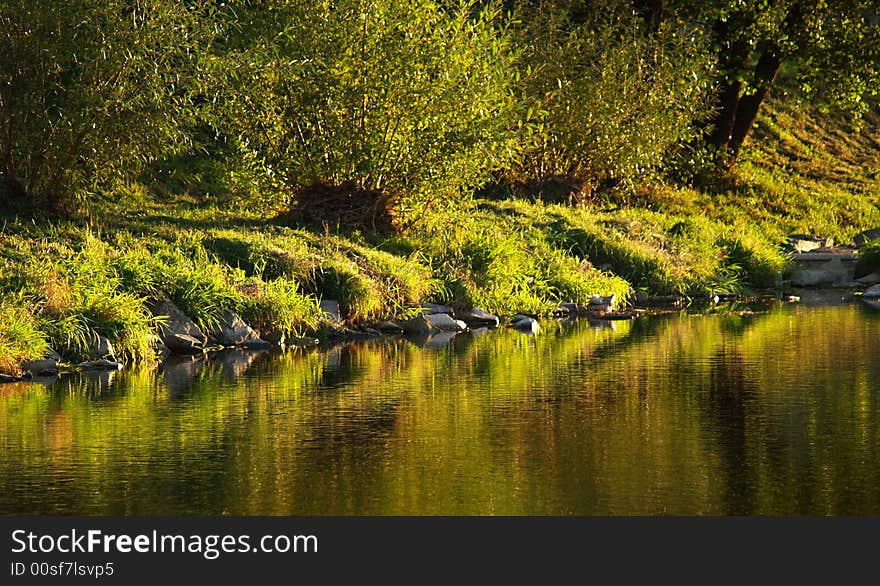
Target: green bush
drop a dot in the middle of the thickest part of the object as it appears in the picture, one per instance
(612, 100)
(20, 337)
(410, 97)
(89, 89)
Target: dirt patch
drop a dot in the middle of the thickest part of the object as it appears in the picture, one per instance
(344, 207)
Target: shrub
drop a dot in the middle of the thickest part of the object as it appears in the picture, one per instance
(20, 337)
(612, 100)
(89, 89)
(409, 97)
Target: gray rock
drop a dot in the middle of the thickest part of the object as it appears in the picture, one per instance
(863, 238)
(602, 304)
(302, 342)
(525, 324)
(872, 292)
(45, 367)
(432, 323)
(806, 243)
(478, 317)
(275, 338)
(871, 279)
(811, 277)
(183, 344)
(330, 307)
(99, 365)
(389, 327)
(434, 309)
(642, 297)
(178, 332)
(873, 303)
(233, 331)
(99, 347)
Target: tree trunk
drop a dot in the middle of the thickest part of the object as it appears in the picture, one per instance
(747, 110)
(722, 125)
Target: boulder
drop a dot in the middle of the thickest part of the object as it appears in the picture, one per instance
(302, 341)
(178, 332)
(812, 277)
(602, 304)
(863, 238)
(434, 309)
(525, 324)
(233, 331)
(99, 347)
(330, 307)
(478, 317)
(44, 367)
(806, 243)
(432, 323)
(871, 279)
(275, 338)
(872, 292)
(389, 327)
(99, 365)
(183, 344)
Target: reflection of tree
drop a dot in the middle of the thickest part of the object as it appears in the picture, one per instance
(720, 414)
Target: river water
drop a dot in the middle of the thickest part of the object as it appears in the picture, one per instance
(771, 413)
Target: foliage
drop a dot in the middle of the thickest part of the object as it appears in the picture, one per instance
(89, 89)
(20, 337)
(612, 101)
(411, 97)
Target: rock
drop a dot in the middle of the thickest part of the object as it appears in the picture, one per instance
(871, 279)
(573, 309)
(178, 332)
(232, 331)
(478, 317)
(602, 304)
(667, 300)
(873, 303)
(301, 342)
(806, 243)
(872, 292)
(434, 309)
(8, 378)
(642, 297)
(162, 350)
(389, 327)
(45, 367)
(432, 323)
(99, 365)
(863, 238)
(275, 338)
(52, 355)
(525, 324)
(99, 347)
(330, 307)
(811, 277)
(183, 344)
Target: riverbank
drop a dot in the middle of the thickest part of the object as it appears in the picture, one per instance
(71, 286)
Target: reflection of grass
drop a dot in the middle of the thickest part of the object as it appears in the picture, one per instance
(389, 428)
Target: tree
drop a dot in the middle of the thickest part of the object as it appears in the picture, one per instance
(833, 46)
(90, 89)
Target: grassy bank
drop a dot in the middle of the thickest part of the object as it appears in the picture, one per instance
(64, 282)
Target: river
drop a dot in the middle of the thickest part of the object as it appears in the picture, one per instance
(772, 413)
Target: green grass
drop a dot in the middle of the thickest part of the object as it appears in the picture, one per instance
(209, 254)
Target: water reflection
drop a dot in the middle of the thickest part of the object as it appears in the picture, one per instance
(772, 413)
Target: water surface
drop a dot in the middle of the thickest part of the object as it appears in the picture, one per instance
(775, 413)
